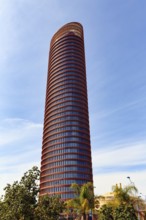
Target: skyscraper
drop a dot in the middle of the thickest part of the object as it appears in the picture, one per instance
(66, 150)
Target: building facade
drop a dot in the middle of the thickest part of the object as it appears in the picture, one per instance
(66, 150)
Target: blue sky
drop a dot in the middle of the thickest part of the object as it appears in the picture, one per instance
(115, 44)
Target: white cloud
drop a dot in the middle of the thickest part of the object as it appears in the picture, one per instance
(13, 130)
(104, 182)
(120, 158)
(98, 115)
(20, 143)
(123, 155)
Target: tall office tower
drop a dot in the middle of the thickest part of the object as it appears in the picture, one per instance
(66, 151)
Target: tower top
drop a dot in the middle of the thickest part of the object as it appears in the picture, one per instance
(73, 27)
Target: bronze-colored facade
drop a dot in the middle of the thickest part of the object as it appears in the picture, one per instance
(66, 150)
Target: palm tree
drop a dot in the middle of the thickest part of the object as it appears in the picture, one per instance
(84, 198)
(122, 204)
(124, 195)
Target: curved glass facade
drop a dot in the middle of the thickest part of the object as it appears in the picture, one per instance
(66, 150)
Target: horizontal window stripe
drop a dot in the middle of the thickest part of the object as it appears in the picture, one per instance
(66, 145)
(66, 175)
(66, 169)
(62, 182)
(67, 162)
(66, 156)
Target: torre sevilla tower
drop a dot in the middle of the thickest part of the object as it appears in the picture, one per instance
(66, 150)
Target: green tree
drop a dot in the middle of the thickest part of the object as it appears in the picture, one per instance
(20, 198)
(125, 194)
(122, 207)
(106, 213)
(84, 198)
(124, 212)
(121, 212)
(20, 201)
(49, 208)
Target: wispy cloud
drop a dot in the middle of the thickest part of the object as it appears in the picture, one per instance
(20, 143)
(126, 107)
(114, 164)
(103, 182)
(16, 130)
(129, 154)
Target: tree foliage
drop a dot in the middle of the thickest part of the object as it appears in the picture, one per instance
(84, 198)
(122, 207)
(124, 194)
(20, 201)
(121, 212)
(49, 208)
(20, 198)
(106, 213)
(124, 212)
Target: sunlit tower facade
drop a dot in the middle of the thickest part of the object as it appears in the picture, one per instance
(66, 149)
